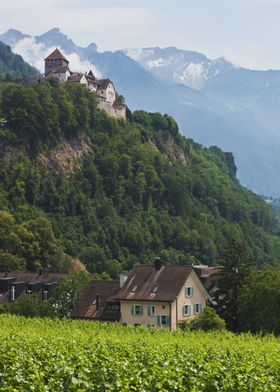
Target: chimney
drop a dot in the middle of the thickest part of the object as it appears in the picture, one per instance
(158, 263)
(97, 298)
(122, 280)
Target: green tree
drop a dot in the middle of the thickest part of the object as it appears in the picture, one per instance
(67, 294)
(259, 301)
(208, 320)
(230, 281)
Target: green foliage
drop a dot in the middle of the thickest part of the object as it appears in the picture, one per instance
(259, 301)
(231, 279)
(67, 294)
(12, 65)
(144, 191)
(30, 245)
(208, 320)
(28, 306)
(55, 355)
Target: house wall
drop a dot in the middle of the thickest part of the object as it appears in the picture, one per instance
(161, 308)
(109, 93)
(200, 296)
(62, 76)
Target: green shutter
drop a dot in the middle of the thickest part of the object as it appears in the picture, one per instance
(186, 292)
(158, 320)
(149, 310)
(141, 310)
(192, 291)
(194, 309)
(190, 310)
(200, 308)
(168, 320)
(132, 310)
(183, 310)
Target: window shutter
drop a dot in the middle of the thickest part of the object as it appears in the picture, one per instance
(158, 320)
(141, 310)
(168, 320)
(192, 291)
(183, 310)
(186, 292)
(194, 309)
(149, 310)
(189, 310)
(132, 310)
(200, 308)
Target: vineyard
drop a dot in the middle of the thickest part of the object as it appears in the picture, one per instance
(52, 355)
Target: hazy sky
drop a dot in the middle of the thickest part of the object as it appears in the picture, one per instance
(247, 32)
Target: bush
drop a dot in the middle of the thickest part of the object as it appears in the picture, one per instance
(208, 320)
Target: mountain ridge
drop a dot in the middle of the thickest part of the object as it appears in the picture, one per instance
(236, 109)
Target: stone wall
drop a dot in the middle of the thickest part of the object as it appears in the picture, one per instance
(118, 111)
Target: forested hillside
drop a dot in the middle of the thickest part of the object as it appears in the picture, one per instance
(115, 192)
(13, 65)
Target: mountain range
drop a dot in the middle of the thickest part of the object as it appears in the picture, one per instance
(214, 101)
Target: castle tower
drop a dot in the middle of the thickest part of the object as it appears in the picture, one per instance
(55, 61)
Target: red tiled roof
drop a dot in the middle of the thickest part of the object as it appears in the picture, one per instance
(145, 283)
(56, 55)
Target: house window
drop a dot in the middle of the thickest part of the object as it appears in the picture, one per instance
(163, 320)
(189, 292)
(13, 293)
(197, 308)
(45, 295)
(137, 310)
(187, 310)
(151, 310)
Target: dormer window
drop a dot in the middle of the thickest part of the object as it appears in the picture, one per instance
(155, 289)
(134, 289)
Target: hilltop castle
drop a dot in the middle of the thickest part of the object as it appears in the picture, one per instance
(56, 65)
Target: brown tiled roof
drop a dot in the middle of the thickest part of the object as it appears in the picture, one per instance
(86, 308)
(75, 78)
(145, 283)
(56, 55)
(102, 84)
(32, 277)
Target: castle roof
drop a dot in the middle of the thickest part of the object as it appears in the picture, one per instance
(56, 55)
(103, 83)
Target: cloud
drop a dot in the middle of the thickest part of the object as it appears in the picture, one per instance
(35, 53)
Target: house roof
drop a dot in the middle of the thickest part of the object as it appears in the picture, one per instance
(145, 283)
(87, 307)
(34, 277)
(56, 55)
(75, 77)
(102, 84)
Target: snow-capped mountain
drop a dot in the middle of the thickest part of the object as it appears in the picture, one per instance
(192, 69)
(214, 102)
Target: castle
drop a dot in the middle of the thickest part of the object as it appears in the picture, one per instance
(56, 65)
